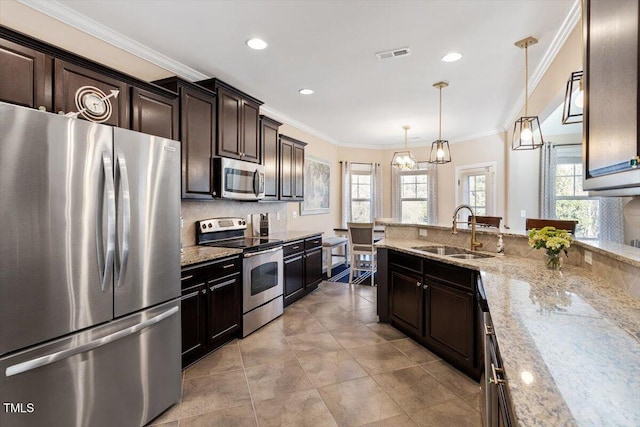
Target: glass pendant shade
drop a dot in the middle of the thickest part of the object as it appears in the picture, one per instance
(573, 99)
(527, 134)
(526, 130)
(440, 152)
(404, 160)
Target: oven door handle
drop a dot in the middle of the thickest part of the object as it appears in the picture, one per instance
(252, 254)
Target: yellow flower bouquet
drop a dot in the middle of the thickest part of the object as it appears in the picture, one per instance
(553, 241)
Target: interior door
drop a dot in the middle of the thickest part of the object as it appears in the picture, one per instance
(147, 176)
(53, 279)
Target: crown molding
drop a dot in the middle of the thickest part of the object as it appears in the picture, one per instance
(87, 25)
(569, 23)
(281, 117)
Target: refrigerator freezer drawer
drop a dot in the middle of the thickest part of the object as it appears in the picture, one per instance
(123, 373)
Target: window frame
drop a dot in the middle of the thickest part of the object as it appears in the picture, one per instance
(418, 172)
(369, 199)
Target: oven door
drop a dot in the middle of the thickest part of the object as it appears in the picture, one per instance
(239, 180)
(262, 278)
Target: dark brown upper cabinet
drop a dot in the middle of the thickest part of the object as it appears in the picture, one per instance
(291, 169)
(269, 142)
(611, 130)
(26, 76)
(154, 114)
(197, 123)
(238, 122)
(68, 78)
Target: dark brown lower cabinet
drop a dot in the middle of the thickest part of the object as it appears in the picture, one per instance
(450, 321)
(435, 303)
(407, 300)
(302, 268)
(211, 306)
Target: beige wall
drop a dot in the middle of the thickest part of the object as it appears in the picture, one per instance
(40, 26)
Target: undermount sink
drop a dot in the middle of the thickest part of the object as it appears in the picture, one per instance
(452, 251)
(470, 256)
(441, 250)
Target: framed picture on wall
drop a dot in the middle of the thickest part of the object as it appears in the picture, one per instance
(317, 182)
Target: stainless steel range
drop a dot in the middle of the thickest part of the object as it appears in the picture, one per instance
(262, 268)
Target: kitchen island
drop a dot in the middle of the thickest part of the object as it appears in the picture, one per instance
(569, 340)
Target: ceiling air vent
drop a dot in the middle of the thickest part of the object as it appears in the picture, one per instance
(394, 53)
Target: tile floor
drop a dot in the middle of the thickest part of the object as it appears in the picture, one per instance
(325, 362)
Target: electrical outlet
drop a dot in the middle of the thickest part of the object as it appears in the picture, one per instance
(523, 213)
(294, 214)
(423, 232)
(588, 258)
(181, 222)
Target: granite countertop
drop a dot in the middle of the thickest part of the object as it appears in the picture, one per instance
(625, 253)
(289, 236)
(196, 254)
(570, 342)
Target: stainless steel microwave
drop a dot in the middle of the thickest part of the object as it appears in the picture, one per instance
(238, 180)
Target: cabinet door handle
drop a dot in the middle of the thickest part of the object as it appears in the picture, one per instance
(425, 287)
(187, 277)
(418, 284)
(494, 375)
(204, 291)
(488, 330)
(295, 247)
(228, 266)
(220, 285)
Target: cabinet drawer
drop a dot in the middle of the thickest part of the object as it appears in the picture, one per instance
(450, 274)
(313, 242)
(293, 247)
(405, 261)
(203, 273)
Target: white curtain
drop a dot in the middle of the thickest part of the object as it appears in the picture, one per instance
(548, 181)
(376, 190)
(346, 193)
(396, 212)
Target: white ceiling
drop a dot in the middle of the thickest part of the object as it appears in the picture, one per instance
(329, 46)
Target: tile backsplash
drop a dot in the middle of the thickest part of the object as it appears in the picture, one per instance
(193, 211)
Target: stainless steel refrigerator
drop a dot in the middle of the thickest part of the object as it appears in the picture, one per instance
(89, 272)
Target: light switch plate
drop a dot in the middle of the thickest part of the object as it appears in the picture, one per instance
(523, 213)
(588, 258)
(294, 214)
(277, 216)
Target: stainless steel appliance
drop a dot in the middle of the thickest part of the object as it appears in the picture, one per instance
(262, 268)
(238, 180)
(89, 272)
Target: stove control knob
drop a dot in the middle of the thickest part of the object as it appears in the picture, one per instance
(242, 222)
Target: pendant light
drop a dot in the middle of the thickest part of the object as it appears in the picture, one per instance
(526, 130)
(574, 95)
(404, 160)
(440, 152)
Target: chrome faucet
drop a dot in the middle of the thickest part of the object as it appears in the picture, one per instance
(454, 230)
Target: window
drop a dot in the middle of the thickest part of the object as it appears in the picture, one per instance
(563, 198)
(361, 192)
(414, 196)
(571, 202)
(476, 188)
(361, 196)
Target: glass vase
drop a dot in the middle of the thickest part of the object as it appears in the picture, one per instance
(554, 261)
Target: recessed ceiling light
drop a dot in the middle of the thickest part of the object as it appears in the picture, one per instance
(451, 57)
(306, 91)
(257, 44)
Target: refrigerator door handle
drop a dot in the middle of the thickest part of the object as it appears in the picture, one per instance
(126, 220)
(107, 267)
(65, 354)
